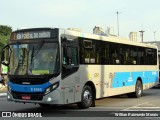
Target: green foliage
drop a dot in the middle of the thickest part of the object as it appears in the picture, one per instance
(5, 32)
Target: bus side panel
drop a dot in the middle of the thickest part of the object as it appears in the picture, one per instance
(112, 80)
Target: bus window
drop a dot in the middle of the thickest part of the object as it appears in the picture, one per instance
(102, 52)
(70, 62)
(114, 53)
(125, 54)
(88, 54)
(141, 55)
(133, 55)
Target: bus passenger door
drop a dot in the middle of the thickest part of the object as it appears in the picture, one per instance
(70, 72)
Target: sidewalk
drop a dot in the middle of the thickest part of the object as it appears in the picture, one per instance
(3, 91)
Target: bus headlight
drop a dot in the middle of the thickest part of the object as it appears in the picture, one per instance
(8, 97)
(52, 87)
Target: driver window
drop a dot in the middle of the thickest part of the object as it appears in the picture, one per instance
(73, 61)
(70, 61)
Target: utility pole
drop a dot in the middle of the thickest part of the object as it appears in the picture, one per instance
(142, 31)
(117, 22)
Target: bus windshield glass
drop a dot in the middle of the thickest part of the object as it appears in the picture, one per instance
(34, 59)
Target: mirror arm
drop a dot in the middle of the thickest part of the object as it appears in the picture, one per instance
(3, 55)
(68, 67)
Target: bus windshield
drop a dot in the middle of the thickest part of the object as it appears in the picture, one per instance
(34, 59)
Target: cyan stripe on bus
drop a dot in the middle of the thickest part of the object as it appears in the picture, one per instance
(129, 78)
(121, 79)
(29, 88)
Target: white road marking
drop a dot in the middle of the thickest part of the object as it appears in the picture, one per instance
(148, 107)
(134, 106)
(138, 108)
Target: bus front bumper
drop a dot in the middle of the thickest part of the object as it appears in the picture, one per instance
(54, 97)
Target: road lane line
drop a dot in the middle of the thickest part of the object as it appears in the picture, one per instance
(148, 107)
(134, 106)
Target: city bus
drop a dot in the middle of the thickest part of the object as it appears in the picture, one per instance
(159, 62)
(157, 43)
(54, 66)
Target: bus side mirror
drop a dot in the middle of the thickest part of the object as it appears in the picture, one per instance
(2, 55)
(5, 55)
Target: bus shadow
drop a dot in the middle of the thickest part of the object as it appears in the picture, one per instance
(50, 108)
(120, 96)
(156, 87)
(55, 111)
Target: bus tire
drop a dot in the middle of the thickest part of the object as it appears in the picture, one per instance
(138, 90)
(86, 98)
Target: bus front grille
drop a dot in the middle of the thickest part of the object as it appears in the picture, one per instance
(33, 96)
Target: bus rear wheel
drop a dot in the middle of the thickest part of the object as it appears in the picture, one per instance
(86, 98)
(138, 90)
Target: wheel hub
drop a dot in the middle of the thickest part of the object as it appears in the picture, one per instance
(87, 97)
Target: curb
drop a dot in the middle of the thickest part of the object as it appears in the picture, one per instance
(3, 94)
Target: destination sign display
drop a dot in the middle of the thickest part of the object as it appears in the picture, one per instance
(30, 35)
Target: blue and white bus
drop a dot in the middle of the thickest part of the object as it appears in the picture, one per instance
(59, 66)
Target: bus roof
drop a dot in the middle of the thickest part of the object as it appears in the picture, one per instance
(108, 38)
(93, 36)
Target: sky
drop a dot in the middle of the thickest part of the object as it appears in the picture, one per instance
(134, 15)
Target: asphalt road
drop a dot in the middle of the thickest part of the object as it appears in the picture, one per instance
(105, 108)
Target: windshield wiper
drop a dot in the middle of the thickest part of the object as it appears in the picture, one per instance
(35, 53)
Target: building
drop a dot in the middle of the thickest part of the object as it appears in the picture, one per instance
(133, 36)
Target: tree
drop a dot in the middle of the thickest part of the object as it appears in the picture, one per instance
(5, 32)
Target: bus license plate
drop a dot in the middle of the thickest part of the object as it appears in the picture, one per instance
(26, 97)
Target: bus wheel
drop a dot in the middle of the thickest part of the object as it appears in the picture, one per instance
(138, 90)
(86, 98)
